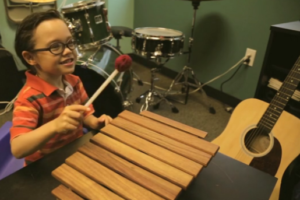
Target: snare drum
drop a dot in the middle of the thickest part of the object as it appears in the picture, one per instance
(162, 42)
(93, 69)
(88, 23)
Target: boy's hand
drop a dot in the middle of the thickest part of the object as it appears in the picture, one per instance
(103, 120)
(70, 118)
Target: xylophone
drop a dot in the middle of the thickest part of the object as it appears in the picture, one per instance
(138, 156)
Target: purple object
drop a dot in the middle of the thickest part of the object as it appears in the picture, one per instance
(85, 130)
(8, 163)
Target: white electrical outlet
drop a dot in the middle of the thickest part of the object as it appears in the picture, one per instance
(252, 54)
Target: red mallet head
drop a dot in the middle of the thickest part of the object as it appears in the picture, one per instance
(123, 63)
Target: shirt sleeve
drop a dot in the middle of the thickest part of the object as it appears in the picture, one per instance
(84, 99)
(25, 118)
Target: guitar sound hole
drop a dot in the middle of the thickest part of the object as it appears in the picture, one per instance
(257, 141)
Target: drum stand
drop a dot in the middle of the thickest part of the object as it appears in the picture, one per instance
(117, 34)
(150, 94)
(188, 70)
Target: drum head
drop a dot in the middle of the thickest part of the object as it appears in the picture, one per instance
(81, 5)
(156, 32)
(110, 101)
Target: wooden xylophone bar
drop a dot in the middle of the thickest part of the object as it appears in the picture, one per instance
(137, 156)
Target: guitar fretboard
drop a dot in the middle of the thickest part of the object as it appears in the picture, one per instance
(281, 98)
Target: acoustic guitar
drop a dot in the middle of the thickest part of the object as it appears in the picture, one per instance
(262, 134)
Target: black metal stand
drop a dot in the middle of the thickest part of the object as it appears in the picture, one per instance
(186, 71)
(152, 94)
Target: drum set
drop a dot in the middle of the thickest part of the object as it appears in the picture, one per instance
(89, 25)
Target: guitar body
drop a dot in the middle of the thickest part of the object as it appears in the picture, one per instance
(286, 134)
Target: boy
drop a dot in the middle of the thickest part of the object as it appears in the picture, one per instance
(49, 111)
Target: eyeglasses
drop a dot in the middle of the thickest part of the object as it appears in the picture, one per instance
(58, 48)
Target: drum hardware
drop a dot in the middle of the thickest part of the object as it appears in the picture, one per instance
(151, 94)
(87, 17)
(87, 20)
(75, 25)
(39, 1)
(158, 50)
(145, 42)
(156, 43)
(118, 32)
(186, 71)
(79, 54)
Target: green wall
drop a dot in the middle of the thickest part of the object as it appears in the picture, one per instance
(223, 31)
(120, 13)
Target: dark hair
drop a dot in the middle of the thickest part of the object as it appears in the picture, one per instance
(24, 35)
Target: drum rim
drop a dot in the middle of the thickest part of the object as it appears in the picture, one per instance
(80, 7)
(164, 55)
(157, 37)
(94, 44)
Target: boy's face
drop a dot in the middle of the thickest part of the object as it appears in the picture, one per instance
(49, 33)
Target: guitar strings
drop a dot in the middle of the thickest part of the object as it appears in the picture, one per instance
(284, 89)
(264, 121)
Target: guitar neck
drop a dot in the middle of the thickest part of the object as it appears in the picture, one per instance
(281, 98)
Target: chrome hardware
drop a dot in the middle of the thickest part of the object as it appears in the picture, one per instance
(87, 17)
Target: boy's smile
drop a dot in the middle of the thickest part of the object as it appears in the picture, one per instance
(68, 62)
(52, 33)
(53, 55)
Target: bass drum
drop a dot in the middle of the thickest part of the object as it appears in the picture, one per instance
(94, 67)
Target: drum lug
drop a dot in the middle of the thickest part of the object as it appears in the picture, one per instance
(158, 50)
(117, 89)
(127, 104)
(181, 49)
(144, 45)
(191, 40)
(133, 43)
(75, 25)
(87, 17)
(105, 13)
(78, 25)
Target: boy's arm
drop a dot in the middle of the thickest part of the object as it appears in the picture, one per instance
(27, 144)
(25, 139)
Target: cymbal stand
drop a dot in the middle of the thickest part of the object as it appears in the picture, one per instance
(186, 71)
(151, 94)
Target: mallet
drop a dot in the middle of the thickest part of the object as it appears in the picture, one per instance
(122, 64)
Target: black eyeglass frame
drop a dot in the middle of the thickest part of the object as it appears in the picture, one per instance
(64, 45)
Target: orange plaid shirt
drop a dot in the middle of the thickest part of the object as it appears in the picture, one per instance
(39, 103)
